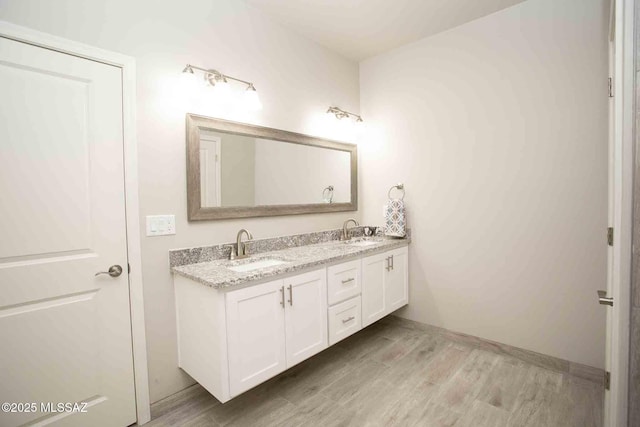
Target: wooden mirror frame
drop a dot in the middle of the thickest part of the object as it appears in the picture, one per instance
(197, 212)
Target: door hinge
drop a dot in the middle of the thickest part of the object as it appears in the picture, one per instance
(607, 380)
(610, 236)
(128, 268)
(610, 87)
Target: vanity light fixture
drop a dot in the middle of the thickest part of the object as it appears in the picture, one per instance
(220, 86)
(342, 114)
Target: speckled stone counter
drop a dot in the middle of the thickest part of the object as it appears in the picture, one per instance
(216, 273)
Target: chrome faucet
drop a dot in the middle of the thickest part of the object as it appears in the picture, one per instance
(241, 250)
(346, 234)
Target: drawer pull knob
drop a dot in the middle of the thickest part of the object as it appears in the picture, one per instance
(348, 280)
(348, 319)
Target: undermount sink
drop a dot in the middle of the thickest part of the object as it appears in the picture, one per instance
(255, 265)
(363, 243)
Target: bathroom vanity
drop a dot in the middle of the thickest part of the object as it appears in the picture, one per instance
(242, 322)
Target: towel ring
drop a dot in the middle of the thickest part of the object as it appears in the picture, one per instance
(329, 190)
(399, 187)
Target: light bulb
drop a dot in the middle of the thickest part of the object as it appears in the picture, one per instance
(188, 79)
(347, 125)
(359, 127)
(251, 99)
(222, 91)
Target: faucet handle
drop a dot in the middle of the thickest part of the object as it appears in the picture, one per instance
(232, 253)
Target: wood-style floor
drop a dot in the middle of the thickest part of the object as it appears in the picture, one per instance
(391, 374)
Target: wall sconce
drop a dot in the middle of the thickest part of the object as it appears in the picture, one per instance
(341, 114)
(219, 85)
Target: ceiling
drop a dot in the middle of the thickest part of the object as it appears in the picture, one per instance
(358, 29)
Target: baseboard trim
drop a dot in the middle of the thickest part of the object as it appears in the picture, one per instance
(575, 369)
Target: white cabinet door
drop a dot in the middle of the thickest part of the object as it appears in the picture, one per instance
(396, 292)
(306, 315)
(385, 284)
(373, 288)
(255, 335)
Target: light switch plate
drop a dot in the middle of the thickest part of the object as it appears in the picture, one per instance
(161, 225)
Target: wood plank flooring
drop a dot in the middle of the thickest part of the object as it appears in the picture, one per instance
(391, 374)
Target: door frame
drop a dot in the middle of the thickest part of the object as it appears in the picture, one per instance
(218, 141)
(128, 66)
(616, 399)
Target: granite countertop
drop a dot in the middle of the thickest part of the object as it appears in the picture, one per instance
(216, 274)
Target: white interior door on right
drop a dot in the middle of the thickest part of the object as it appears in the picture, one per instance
(621, 165)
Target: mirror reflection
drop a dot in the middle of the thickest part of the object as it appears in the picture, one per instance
(241, 170)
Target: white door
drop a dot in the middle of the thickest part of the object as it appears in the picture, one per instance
(306, 315)
(209, 170)
(255, 335)
(397, 281)
(66, 333)
(610, 193)
(373, 274)
(620, 209)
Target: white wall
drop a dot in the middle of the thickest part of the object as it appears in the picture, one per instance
(287, 174)
(498, 128)
(296, 79)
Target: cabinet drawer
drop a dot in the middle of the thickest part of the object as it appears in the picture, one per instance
(344, 319)
(343, 281)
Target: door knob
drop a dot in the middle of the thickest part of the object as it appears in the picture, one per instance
(114, 271)
(602, 298)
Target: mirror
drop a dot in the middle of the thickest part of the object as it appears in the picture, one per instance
(236, 170)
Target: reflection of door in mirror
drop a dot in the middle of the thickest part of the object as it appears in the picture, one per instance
(210, 170)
